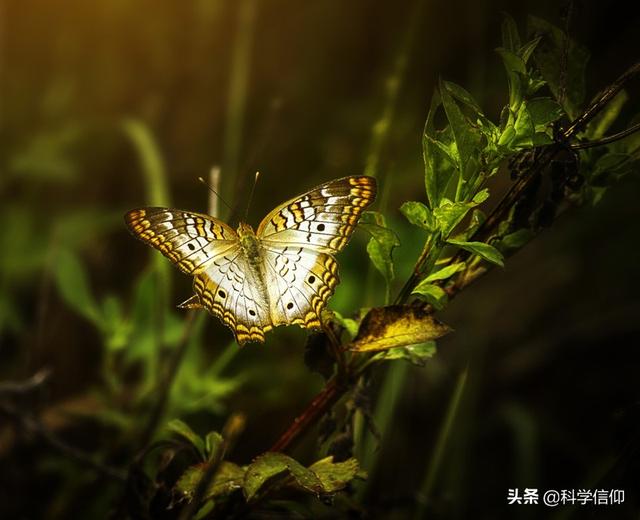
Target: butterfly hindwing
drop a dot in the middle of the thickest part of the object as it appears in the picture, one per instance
(300, 282)
(189, 240)
(322, 219)
(228, 289)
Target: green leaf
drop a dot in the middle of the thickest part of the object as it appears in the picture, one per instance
(227, 479)
(381, 245)
(143, 317)
(182, 429)
(517, 239)
(212, 443)
(438, 166)
(606, 117)
(335, 476)
(205, 510)
(562, 63)
(524, 127)
(395, 326)
(433, 294)
(485, 251)
(466, 136)
(415, 354)
(117, 328)
(448, 148)
(462, 95)
(418, 214)
(527, 49)
(351, 326)
(544, 111)
(541, 139)
(449, 215)
(270, 465)
(73, 285)
(152, 164)
(516, 70)
(611, 167)
(481, 196)
(507, 136)
(445, 272)
(510, 35)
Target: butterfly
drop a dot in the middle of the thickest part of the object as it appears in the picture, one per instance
(284, 273)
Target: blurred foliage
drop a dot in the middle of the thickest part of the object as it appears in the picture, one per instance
(135, 379)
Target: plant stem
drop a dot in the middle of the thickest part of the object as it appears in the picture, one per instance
(322, 402)
(337, 352)
(606, 140)
(605, 96)
(410, 284)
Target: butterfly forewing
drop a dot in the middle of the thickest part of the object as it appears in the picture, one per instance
(190, 240)
(323, 218)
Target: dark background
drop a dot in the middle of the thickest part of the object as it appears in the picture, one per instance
(550, 342)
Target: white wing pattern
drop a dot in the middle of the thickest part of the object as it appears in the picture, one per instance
(283, 274)
(189, 240)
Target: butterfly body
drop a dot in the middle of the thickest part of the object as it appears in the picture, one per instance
(250, 245)
(281, 274)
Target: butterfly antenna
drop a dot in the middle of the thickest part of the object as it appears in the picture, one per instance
(215, 177)
(253, 188)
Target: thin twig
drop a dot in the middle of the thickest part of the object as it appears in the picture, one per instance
(606, 140)
(605, 96)
(28, 385)
(322, 402)
(566, 42)
(337, 351)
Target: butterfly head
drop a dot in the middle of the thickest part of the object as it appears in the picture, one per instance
(245, 230)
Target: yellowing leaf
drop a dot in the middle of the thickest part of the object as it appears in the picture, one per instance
(397, 326)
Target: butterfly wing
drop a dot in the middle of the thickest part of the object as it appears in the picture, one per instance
(189, 240)
(300, 282)
(299, 239)
(231, 290)
(210, 250)
(322, 219)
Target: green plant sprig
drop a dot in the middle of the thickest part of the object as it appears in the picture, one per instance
(441, 217)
